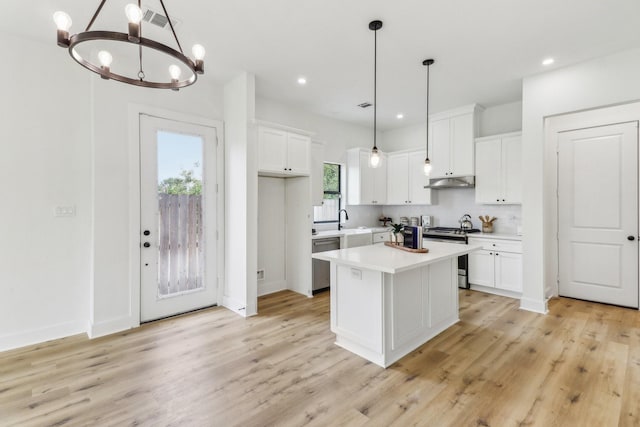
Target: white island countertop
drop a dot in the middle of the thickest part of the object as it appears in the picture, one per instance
(390, 260)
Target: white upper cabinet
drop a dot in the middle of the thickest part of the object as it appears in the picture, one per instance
(451, 142)
(317, 173)
(406, 179)
(499, 169)
(365, 185)
(282, 153)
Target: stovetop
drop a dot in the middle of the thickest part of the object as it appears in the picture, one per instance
(448, 231)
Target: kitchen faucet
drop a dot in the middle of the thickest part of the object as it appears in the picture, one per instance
(346, 217)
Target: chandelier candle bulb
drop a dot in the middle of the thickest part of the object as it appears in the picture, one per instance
(134, 15)
(199, 53)
(63, 22)
(105, 59)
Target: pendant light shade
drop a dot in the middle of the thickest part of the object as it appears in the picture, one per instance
(374, 160)
(427, 163)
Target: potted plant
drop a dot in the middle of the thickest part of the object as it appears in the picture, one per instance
(397, 229)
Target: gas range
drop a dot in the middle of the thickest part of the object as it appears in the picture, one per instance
(453, 235)
(448, 233)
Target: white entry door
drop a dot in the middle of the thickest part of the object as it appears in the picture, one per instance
(598, 214)
(178, 210)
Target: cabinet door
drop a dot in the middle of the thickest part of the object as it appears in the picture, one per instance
(272, 150)
(380, 182)
(298, 154)
(512, 169)
(398, 179)
(366, 180)
(418, 195)
(481, 268)
(488, 171)
(317, 174)
(462, 145)
(439, 149)
(508, 271)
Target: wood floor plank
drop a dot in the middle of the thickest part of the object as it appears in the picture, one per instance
(498, 366)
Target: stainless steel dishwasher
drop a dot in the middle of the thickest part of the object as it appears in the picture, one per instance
(321, 272)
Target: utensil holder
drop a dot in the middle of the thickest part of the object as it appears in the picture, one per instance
(487, 227)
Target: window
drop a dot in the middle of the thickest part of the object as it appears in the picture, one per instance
(332, 182)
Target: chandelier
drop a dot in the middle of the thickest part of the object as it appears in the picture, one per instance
(137, 67)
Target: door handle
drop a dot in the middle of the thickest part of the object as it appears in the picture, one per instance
(147, 245)
(631, 238)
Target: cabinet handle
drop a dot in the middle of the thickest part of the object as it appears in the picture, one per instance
(497, 254)
(490, 253)
(497, 200)
(502, 199)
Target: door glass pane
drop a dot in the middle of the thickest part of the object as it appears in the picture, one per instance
(180, 219)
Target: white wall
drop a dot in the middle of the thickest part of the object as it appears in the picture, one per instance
(604, 81)
(241, 196)
(45, 160)
(66, 143)
(271, 234)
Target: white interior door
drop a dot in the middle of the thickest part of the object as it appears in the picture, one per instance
(598, 214)
(178, 217)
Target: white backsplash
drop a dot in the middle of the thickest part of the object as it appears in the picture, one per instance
(451, 204)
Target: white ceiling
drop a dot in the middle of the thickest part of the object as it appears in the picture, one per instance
(482, 49)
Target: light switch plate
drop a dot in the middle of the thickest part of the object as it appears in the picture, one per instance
(64, 211)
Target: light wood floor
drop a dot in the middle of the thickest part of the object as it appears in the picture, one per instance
(499, 366)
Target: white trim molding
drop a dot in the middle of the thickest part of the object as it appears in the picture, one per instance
(38, 336)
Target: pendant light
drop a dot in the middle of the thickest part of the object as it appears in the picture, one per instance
(374, 159)
(427, 163)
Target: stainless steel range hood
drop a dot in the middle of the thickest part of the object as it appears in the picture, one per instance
(457, 182)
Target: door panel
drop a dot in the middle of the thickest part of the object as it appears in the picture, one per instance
(597, 210)
(488, 170)
(398, 182)
(178, 217)
(512, 169)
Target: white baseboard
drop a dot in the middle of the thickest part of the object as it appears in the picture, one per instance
(234, 305)
(37, 336)
(537, 306)
(271, 287)
(109, 327)
(496, 291)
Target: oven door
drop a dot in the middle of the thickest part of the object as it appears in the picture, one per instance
(463, 261)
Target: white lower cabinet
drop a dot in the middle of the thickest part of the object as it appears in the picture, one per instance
(498, 265)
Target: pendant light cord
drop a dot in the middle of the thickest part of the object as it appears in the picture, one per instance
(428, 67)
(375, 85)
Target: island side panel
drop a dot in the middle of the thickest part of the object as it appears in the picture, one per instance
(357, 311)
(420, 304)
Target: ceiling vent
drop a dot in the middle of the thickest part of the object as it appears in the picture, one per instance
(365, 105)
(158, 19)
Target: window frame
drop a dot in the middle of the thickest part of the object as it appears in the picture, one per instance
(339, 192)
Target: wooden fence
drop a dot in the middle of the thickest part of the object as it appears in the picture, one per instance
(181, 244)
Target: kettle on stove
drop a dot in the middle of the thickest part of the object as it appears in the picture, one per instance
(465, 222)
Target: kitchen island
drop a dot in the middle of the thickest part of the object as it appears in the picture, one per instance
(386, 302)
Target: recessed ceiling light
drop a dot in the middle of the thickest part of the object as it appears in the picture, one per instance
(302, 81)
(399, 116)
(548, 62)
